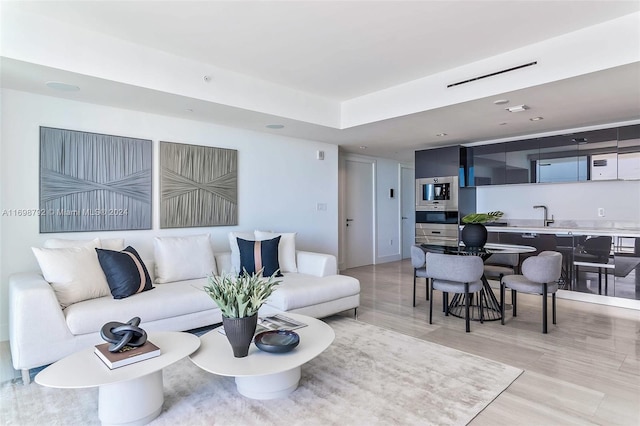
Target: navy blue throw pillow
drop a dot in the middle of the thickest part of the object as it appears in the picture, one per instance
(126, 273)
(256, 255)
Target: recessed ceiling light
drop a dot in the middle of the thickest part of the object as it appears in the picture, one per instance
(362, 147)
(517, 108)
(501, 101)
(274, 126)
(536, 118)
(441, 134)
(63, 87)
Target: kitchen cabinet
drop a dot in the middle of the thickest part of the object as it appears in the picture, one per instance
(629, 152)
(520, 160)
(559, 161)
(489, 165)
(437, 162)
(603, 154)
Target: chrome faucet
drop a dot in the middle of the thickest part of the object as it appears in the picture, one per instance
(546, 221)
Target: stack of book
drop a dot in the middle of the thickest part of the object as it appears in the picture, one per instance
(127, 355)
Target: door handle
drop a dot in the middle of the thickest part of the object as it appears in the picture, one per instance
(404, 217)
(349, 220)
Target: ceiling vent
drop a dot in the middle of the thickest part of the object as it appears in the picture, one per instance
(492, 74)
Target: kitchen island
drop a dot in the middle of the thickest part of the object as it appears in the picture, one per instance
(603, 262)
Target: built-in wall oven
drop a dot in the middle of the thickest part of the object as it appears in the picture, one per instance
(437, 227)
(437, 194)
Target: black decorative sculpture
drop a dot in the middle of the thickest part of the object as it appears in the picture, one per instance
(121, 334)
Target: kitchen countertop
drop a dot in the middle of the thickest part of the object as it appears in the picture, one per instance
(614, 232)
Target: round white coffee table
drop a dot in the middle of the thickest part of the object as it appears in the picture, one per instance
(131, 395)
(264, 375)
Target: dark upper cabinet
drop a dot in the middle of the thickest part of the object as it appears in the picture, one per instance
(629, 152)
(603, 154)
(437, 162)
(520, 160)
(558, 160)
(489, 165)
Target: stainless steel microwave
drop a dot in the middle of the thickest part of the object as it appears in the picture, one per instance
(437, 193)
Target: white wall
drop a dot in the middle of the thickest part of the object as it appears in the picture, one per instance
(576, 202)
(387, 211)
(280, 182)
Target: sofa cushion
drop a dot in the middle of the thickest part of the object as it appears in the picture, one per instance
(116, 244)
(74, 273)
(57, 243)
(235, 251)
(259, 255)
(183, 258)
(125, 271)
(286, 248)
(300, 290)
(165, 301)
(105, 243)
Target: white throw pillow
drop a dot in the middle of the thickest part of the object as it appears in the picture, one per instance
(183, 258)
(115, 244)
(74, 273)
(235, 251)
(286, 248)
(57, 243)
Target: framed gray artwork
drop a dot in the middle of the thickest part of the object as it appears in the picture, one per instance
(198, 186)
(94, 182)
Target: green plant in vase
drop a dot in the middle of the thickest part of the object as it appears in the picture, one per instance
(474, 234)
(239, 298)
(482, 217)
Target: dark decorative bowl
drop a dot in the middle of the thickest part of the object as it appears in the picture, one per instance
(277, 341)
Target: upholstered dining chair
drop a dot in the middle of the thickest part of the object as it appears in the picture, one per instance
(540, 275)
(454, 274)
(419, 268)
(500, 264)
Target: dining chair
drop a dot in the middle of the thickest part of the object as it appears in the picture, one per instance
(419, 269)
(500, 264)
(594, 252)
(454, 274)
(540, 275)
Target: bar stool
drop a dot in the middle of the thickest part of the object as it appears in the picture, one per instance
(595, 253)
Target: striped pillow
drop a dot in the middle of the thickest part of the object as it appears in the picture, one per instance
(125, 271)
(256, 255)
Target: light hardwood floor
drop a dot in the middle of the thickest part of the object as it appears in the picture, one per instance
(586, 370)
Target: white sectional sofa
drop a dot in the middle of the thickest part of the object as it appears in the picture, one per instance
(42, 331)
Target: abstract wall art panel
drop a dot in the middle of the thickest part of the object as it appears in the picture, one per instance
(94, 182)
(198, 186)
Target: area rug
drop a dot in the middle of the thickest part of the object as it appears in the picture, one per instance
(368, 376)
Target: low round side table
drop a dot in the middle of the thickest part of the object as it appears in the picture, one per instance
(131, 395)
(264, 375)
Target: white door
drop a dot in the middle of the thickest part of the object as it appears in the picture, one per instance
(407, 210)
(358, 226)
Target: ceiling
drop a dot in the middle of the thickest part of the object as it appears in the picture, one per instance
(339, 51)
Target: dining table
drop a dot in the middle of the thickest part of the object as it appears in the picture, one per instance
(484, 304)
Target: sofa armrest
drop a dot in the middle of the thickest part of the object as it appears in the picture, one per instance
(37, 325)
(318, 264)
